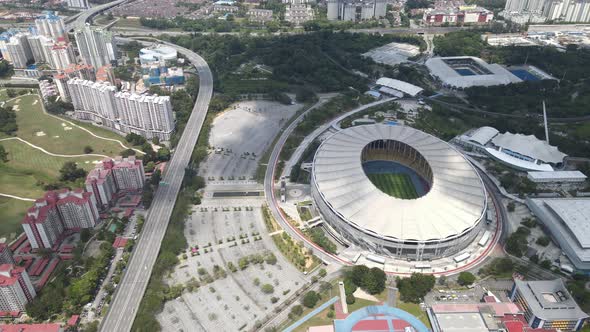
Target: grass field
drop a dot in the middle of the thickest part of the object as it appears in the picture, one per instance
(59, 136)
(396, 185)
(11, 214)
(27, 166)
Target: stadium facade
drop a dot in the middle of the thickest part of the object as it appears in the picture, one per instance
(442, 221)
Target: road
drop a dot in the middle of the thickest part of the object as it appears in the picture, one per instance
(83, 17)
(126, 300)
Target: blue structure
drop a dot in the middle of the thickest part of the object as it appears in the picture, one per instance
(346, 325)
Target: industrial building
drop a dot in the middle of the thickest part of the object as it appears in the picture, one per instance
(466, 71)
(356, 10)
(518, 151)
(445, 217)
(568, 222)
(557, 177)
(548, 304)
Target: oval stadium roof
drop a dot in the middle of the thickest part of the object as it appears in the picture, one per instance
(455, 203)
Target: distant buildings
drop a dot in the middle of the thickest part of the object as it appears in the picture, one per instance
(534, 11)
(298, 12)
(78, 4)
(356, 10)
(114, 175)
(46, 43)
(146, 115)
(458, 16)
(156, 66)
(16, 289)
(56, 212)
(96, 46)
(51, 26)
(259, 15)
(548, 304)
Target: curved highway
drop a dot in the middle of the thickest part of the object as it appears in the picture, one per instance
(86, 15)
(126, 300)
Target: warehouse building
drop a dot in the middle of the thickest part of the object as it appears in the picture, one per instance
(568, 221)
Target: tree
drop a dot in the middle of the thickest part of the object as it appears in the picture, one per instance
(149, 167)
(414, 288)
(163, 154)
(267, 289)
(350, 299)
(442, 280)
(358, 274)
(85, 234)
(3, 154)
(466, 278)
(543, 241)
(71, 172)
(156, 177)
(88, 149)
(546, 264)
(374, 281)
(304, 95)
(147, 196)
(310, 299)
(349, 286)
(511, 207)
(8, 124)
(297, 310)
(128, 152)
(322, 273)
(156, 140)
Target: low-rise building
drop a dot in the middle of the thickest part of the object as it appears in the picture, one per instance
(548, 304)
(298, 14)
(260, 15)
(458, 16)
(16, 289)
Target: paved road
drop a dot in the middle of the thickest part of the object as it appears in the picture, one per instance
(130, 292)
(83, 17)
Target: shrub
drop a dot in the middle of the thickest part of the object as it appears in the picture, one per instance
(310, 299)
(297, 310)
(267, 289)
(350, 299)
(466, 278)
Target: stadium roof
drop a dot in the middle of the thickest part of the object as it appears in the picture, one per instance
(454, 204)
(529, 146)
(483, 135)
(575, 213)
(402, 86)
(550, 300)
(499, 75)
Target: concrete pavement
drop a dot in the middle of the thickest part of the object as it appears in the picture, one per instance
(126, 300)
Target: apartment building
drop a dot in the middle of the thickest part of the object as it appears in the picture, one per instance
(112, 176)
(16, 289)
(51, 26)
(96, 46)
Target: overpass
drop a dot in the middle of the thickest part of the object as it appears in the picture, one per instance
(85, 16)
(127, 298)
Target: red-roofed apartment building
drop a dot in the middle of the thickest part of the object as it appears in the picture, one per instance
(114, 175)
(5, 254)
(16, 289)
(56, 212)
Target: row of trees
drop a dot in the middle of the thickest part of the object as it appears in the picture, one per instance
(8, 124)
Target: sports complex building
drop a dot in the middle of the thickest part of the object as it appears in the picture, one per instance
(397, 192)
(466, 71)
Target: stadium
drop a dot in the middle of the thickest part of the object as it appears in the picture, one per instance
(397, 192)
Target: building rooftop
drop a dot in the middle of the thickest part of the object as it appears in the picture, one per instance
(482, 135)
(402, 86)
(549, 300)
(556, 175)
(493, 74)
(30, 328)
(530, 146)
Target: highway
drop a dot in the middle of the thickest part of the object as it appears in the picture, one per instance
(83, 17)
(128, 296)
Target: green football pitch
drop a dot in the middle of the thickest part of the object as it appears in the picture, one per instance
(396, 185)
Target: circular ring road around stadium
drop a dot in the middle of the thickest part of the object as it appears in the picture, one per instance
(441, 222)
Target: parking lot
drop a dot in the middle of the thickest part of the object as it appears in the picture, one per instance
(226, 300)
(240, 135)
